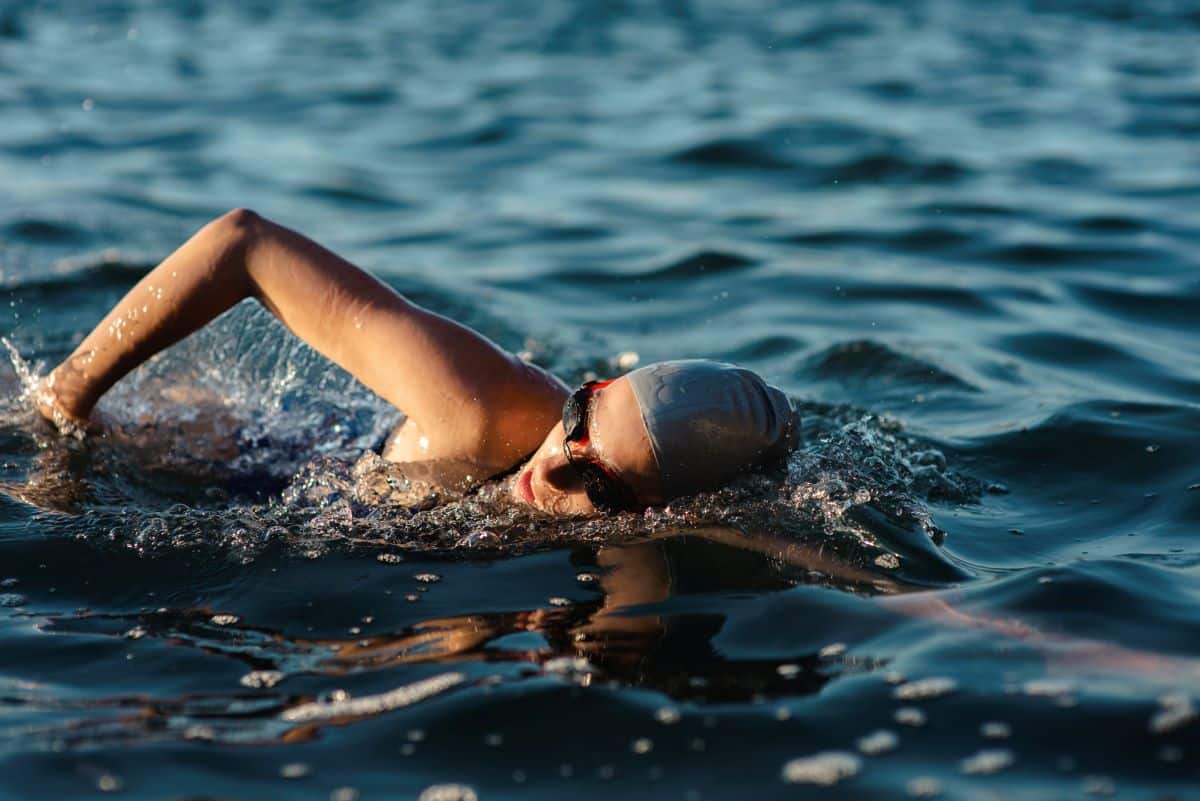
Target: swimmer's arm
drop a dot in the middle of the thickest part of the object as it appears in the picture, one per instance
(469, 398)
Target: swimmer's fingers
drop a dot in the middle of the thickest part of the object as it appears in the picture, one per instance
(45, 401)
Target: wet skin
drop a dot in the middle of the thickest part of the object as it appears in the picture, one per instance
(617, 439)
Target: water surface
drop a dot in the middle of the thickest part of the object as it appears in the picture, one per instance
(962, 236)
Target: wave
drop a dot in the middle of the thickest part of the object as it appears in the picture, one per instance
(873, 363)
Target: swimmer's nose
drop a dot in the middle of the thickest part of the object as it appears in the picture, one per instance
(558, 473)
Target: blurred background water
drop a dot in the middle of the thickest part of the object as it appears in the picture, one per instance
(962, 235)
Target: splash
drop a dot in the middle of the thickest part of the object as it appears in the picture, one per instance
(242, 440)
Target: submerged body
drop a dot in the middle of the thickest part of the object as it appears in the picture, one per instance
(472, 410)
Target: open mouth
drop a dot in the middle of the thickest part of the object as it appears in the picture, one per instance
(525, 487)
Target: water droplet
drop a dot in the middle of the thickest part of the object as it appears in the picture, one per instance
(924, 787)
(826, 768)
(223, 620)
(995, 730)
(448, 792)
(1099, 785)
(888, 561)
(261, 679)
(557, 601)
(295, 770)
(109, 783)
(344, 794)
(389, 558)
(987, 761)
(1048, 688)
(586, 578)
(428, 578)
(909, 716)
(878, 742)
(933, 687)
(88, 104)
(136, 633)
(832, 650)
(667, 715)
(1176, 711)
(788, 670)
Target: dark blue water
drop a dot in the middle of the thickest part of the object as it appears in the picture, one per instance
(963, 235)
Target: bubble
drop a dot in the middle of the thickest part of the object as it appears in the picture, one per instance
(261, 679)
(586, 578)
(782, 713)
(295, 770)
(923, 787)
(223, 620)
(788, 670)
(933, 687)
(878, 742)
(389, 558)
(494, 739)
(986, 762)
(448, 792)
(909, 716)
(558, 601)
(136, 633)
(428, 578)
(888, 561)
(826, 768)
(642, 745)
(415, 735)
(344, 794)
(627, 360)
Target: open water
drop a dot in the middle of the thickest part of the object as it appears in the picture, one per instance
(962, 235)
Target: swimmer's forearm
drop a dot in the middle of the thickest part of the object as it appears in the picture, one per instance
(469, 398)
(195, 284)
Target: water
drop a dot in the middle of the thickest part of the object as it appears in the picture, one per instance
(962, 235)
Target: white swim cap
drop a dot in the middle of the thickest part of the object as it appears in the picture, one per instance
(709, 421)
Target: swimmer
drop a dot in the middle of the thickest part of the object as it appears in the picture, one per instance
(473, 411)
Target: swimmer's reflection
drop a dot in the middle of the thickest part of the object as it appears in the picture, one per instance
(630, 634)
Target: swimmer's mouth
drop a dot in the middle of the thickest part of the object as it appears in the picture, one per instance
(525, 486)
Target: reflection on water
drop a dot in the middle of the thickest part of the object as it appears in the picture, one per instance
(961, 235)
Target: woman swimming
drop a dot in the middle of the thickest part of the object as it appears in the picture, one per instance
(473, 410)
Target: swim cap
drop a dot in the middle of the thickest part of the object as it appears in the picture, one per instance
(709, 421)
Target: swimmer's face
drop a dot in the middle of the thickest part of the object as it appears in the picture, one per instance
(616, 443)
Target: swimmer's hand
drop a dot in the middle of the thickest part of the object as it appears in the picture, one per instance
(48, 404)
